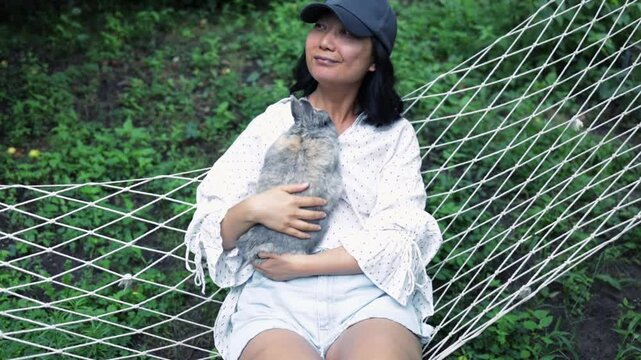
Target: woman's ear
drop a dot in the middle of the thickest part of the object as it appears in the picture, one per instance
(372, 68)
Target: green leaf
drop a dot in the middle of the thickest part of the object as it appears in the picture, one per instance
(540, 314)
(525, 354)
(530, 325)
(546, 321)
(609, 280)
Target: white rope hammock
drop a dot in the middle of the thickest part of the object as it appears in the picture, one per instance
(517, 211)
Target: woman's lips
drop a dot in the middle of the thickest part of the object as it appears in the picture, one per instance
(324, 61)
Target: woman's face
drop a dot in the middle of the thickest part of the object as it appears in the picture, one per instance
(334, 56)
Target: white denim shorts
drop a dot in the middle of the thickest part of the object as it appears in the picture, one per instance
(319, 308)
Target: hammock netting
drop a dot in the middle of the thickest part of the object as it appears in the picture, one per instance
(530, 161)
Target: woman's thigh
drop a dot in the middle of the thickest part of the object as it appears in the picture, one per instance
(373, 339)
(278, 344)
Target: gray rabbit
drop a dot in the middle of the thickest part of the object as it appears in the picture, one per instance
(306, 153)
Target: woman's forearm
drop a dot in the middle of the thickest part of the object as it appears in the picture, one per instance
(335, 261)
(237, 220)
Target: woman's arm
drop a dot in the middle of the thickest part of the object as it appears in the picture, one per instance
(289, 266)
(236, 222)
(231, 180)
(398, 238)
(276, 209)
(334, 261)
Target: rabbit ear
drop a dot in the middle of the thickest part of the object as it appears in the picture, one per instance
(301, 109)
(307, 107)
(297, 109)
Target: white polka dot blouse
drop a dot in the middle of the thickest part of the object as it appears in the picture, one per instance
(380, 220)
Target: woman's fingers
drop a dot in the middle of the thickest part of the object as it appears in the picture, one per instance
(305, 226)
(309, 201)
(279, 210)
(310, 214)
(294, 188)
(303, 201)
(297, 233)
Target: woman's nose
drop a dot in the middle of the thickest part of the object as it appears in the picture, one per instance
(327, 41)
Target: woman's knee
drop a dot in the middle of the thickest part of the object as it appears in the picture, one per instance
(278, 344)
(376, 338)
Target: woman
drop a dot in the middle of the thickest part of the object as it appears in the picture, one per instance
(363, 293)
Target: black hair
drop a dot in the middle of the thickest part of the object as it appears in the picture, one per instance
(376, 96)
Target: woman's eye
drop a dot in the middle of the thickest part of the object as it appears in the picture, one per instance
(345, 33)
(319, 26)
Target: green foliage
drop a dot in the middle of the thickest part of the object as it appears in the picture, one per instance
(110, 90)
(577, 289)
(40, 95)
(520, 334)
(628, 325)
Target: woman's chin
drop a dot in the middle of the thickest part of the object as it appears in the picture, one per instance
(325, 80)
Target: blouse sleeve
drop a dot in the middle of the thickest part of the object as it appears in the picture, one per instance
(399, 238)
(231, 179)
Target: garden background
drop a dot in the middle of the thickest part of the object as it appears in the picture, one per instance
(111, 90)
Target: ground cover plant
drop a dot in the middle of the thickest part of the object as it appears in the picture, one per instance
(115, 90)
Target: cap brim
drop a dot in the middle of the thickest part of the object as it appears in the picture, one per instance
(312, 12)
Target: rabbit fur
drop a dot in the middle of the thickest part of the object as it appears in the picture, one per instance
(308, 152)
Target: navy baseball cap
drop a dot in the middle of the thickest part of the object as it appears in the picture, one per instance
(362, 18)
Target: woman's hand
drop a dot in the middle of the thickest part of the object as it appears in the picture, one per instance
(282, 267)
(336, 261)
(281, 211)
